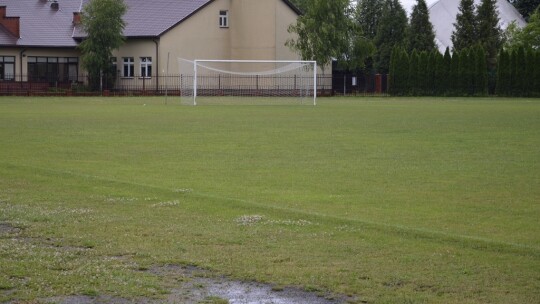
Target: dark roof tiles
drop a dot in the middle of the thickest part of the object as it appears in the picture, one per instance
(152, 18)
(41, 25)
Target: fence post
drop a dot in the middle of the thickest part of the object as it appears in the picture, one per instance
(378, 83)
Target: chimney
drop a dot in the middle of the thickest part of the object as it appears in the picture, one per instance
(55, 5)
(12, 24)
(76, 18)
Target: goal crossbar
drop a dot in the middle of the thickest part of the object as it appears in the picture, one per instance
(200, 62)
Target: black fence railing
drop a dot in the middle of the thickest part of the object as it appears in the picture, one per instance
(327, 85)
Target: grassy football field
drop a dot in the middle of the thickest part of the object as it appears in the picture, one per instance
(406, 200)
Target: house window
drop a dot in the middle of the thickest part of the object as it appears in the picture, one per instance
(53, 69)
(7, 68)
(223, 19)
(146, 66)
(129, 67)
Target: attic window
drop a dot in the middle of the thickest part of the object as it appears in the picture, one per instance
(223, 19)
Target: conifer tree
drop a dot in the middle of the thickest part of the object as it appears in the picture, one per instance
(529, 72)
(482, 85)
(397, 75)
(421, 35)
(462, 79)
(430, 73)
(413, 73)
(393, 71)
(502, 74)
(537, 74)
(465, 28)
(423, 71)
(446, 73)
(513, 73)
(454, 79)
(439, 75)
(404, 65)
(489, 31)
(470, 70)
(509, 74)
(368, 13)
(391, 32)
(520, 82)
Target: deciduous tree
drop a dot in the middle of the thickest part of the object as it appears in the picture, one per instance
(528, 37)
(327, 31)
(102, 21)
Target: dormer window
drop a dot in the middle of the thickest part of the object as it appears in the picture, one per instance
(223, 19)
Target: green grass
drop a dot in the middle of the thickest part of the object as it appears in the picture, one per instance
(433, 200)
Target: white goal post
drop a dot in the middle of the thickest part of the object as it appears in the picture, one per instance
(257, 79)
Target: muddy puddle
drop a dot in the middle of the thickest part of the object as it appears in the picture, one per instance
(200, 285)
(191, 285)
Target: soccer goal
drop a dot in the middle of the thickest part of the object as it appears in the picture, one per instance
(248, 82)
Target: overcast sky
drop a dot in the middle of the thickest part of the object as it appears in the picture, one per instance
(408, 4)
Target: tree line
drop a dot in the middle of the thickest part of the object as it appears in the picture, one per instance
(376, 36)
(518, 73)
(463, 73)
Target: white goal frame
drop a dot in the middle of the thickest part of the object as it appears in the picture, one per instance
(197, 61)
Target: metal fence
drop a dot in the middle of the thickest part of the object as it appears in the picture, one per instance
(327, 85)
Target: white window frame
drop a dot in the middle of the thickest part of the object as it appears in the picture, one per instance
(129, 63)
(223, 19)
(145, 67)
(6, 61)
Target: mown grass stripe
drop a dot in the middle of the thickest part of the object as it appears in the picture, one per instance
(466, 241)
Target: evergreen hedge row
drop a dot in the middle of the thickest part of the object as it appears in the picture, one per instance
(463, 73)
(518, 73)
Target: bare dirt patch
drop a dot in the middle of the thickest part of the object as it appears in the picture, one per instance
(8, 229)
(195, 285)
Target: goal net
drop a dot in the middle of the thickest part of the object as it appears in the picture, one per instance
(248, 82)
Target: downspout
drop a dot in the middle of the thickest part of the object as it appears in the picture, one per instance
(21, 64)
(156, 41)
